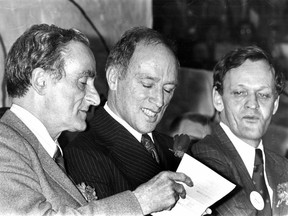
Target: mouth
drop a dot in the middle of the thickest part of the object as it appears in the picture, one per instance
(149, 113)
(83, 112)
(251, 118)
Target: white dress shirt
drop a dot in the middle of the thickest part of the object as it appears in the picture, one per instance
(135, 133)
(37, 128)
(247, 154)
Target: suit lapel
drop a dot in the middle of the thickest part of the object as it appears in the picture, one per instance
(243, 177)
(52, 169)
(47, 163)
(274, 169)
(271, 172)
(129, 155)
(230, 151)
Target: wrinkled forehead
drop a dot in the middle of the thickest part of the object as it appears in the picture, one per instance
(79, 60)
(258, 73)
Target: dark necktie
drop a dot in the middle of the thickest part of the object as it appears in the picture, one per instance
(149, 145)
(58, 158)
(259, 181)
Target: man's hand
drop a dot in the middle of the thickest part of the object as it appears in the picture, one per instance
(162, 191)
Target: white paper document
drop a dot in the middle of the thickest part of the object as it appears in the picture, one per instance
(208, 188)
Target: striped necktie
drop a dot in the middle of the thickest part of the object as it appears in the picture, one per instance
(259, 181)
(58, 158)
(150, 146)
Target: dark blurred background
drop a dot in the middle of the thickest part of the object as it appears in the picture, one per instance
(205, 30)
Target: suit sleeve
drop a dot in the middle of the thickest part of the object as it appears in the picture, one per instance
(21, 191)
(207, 152)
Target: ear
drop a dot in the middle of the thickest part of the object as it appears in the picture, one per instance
(276, 104)
(39, 80)
(217, 100)
(112, 76)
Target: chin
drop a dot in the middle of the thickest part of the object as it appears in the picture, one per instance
(149, 128)
(253, 134)
(79, 127)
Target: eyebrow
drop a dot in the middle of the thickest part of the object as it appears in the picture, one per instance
(89, 73)
(157, 79)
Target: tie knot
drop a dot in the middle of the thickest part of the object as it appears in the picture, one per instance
(147, 141)
(58, 158)
(146, 137)
(258, 157)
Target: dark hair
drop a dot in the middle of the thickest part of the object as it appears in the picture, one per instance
(123, 50)
(236, 58)
(40, 46)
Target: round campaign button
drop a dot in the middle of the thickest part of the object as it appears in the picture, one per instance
(257, 200)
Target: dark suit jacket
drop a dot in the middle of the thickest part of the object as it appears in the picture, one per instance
(218, 152)
(109, 158)
(31, 183)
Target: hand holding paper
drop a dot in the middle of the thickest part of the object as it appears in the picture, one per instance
(208, 188)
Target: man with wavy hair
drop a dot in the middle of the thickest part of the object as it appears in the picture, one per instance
(50, 75)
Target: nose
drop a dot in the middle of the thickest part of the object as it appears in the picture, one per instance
(92, 96)
(252, 101)
(157, 97)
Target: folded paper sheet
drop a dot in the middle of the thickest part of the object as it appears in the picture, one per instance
(208, 188)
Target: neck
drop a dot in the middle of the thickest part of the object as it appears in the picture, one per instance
(37, 112)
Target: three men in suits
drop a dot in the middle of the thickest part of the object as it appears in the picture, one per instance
(141, 72)
(50, 77)
(246, 95)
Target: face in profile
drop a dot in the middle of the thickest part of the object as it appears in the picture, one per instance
(249, 100)
(70, 97)
(144, 93)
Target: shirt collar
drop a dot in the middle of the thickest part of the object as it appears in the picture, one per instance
(37, 128)
(246, 152)
(135, 133)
